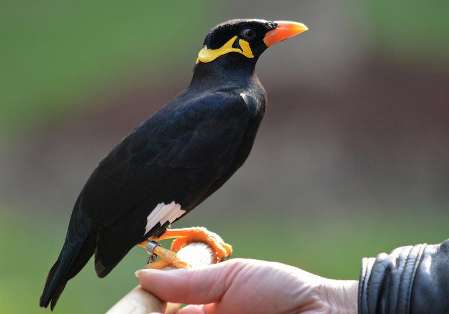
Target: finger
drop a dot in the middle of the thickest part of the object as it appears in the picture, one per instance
(190, 286)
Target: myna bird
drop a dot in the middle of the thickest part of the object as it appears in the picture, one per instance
(175, 159)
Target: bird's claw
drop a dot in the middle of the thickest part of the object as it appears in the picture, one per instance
(152, 258)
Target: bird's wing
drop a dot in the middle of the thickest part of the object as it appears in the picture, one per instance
(197, 135)
(177, 155)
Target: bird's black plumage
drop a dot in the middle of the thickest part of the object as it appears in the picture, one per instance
(183, 153)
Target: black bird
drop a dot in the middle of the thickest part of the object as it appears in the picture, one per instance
(174, 160)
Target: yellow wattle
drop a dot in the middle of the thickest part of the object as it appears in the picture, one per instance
(206, 55)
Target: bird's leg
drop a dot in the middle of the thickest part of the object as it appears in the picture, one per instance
(184, 236)
(159, 264)
(167, 257)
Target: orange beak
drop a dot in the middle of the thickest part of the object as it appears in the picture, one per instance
(283, 31)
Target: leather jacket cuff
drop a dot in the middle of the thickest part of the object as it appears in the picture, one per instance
(411, 279)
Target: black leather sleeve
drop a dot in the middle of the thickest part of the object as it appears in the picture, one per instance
(411, 279)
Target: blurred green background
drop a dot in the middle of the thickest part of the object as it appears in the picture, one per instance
(351, 160)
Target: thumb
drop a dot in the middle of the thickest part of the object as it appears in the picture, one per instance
(190, 286)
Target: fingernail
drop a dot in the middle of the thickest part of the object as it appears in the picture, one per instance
(138, 272)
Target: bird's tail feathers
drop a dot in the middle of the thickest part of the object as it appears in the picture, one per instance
(71, 260)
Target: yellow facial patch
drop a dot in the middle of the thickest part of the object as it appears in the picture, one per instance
(207, 55)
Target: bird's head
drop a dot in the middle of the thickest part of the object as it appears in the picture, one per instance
(245, 39)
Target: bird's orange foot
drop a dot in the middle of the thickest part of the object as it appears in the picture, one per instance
(167, 258)
(184, 236)
(159, 264)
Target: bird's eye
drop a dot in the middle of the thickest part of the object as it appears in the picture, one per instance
(248, 34)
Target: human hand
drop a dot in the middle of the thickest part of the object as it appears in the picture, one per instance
(250, 286)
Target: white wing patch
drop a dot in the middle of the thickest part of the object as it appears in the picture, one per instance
(163, 213)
